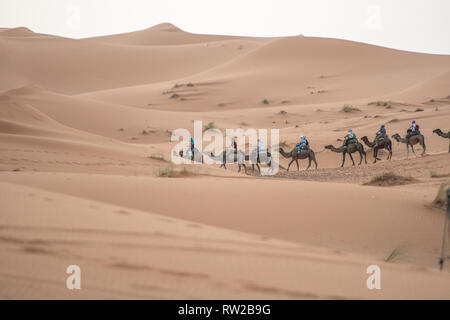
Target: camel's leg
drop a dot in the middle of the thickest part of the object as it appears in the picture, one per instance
(309, 162)
(253, 168)
(290, 164)
(296, 161)
(351, 157)
(239, 168)
(361, 154)
(449, 146)
(424, 148)
(315, 162)
(259, 168)
(412, 148)
(245, 168)
(343, 159)
(375, 152)
(224, 166)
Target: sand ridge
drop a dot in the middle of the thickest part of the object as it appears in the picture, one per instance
(85, 131)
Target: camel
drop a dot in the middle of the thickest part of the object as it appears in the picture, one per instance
(302, 154)
(196, 156)
(443, 135)
(255, 156)
(258, 158)
(411, 141)
(229, 156)
(382, 143)
(350, 148)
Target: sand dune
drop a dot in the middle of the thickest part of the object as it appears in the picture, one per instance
(76, 66)
(85, 143)
(299, 70)
(166, 34)
(123, 253)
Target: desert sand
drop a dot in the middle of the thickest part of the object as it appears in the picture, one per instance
(85, 141)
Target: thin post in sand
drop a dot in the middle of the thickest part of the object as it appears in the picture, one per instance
(446, 227)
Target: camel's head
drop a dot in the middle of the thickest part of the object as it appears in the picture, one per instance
(436, 130)
(364, 138)
(329, 146)
(396, 136)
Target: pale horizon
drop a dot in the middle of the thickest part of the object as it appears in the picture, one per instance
(417, 26)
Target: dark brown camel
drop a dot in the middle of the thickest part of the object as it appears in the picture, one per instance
(302, 154)
(411, 141)
(377, 144)
(443, 135)
(350, 148)
(229, 156)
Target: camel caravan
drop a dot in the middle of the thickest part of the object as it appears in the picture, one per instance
(302, 150)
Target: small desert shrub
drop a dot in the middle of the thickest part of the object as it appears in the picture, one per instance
(16, 169)
(418, 110)
(144, 131)
(190, 84)
(441, 197)
(159, 157)
(164, 172)
(174, 96)
(221, 104)
(282, 112)
(432, 100)
(394, 254)
(265, 101)
(285, 101)
(349, 108)
(434, 174)
(209, 126)
(121, 129)
(393, 120)
(389, 179)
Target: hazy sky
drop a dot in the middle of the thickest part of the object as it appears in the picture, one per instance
(416, 25)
